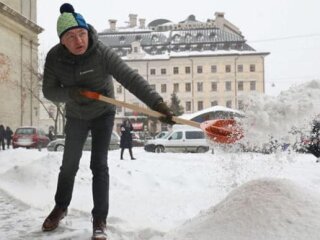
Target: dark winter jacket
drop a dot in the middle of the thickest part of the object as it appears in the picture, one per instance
(93, 71)
(8, 134)
(126, 136)
(2, 133)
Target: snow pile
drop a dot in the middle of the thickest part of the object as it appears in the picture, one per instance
(275, 117)
(262, 209)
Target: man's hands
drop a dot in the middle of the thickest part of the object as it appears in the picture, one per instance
(75, 94)
(164, 109)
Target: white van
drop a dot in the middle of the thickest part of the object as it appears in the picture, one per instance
(180, 139)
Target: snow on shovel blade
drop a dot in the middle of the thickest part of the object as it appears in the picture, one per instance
(225, 131)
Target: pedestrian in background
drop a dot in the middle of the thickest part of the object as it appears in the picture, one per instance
(126, 138)
(51, 134)
(8, 135)
(2, 137)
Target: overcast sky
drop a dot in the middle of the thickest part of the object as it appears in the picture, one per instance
(288, 29)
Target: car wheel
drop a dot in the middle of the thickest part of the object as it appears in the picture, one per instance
(201, 149)
(159, 149)
(59, 148)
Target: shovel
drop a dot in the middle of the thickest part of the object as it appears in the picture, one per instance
(225, 131)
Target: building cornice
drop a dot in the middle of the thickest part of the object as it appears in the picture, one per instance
(194, 55)
(18, 18)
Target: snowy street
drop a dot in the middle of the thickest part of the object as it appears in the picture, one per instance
(157, 193)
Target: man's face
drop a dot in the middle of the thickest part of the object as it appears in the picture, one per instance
(76, 41)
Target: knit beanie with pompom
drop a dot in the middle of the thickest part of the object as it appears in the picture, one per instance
(69, 19)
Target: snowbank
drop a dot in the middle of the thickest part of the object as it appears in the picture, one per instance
(261, 209)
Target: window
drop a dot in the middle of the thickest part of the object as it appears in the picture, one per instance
(188, 87)
(214, 86)
(152, 71)
(214, 103)
(240, 68)
(200, 105)
(228, 86)
(163, 71)
(153, 86)
(154, 39)
(240, 85)
(175, 70)
(213, 68)
(119, 109)
(200, 86)
(188, 70)
(252, 68)
(163, 88)
(228, 68)
(122, 39)
(194, 135)
(176, 87)
(119, 89)
(176, 136)
(135, 49)
(229, 104)
(199, 69)
(240, 105)
(188, 106)
(252, 85)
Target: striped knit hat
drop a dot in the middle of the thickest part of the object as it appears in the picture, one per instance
(69, 19)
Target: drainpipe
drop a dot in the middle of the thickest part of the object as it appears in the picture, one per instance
(31, 85)
(235, 83)
(263, 75)
(192, 86)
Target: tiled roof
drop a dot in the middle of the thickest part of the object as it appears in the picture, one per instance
(175, 40)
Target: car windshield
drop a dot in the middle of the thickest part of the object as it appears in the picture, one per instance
(25, 131)
(164, 135)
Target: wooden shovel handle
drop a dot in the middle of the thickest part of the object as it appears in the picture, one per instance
(149, 112)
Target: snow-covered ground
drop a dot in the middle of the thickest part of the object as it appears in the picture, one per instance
(169, 196)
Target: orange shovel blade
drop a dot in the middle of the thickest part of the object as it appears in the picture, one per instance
(225, 131)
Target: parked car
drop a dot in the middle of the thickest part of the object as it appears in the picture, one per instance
(136, 140)
(180, 139)
(58, 144)
(161, 134)
(30, 137)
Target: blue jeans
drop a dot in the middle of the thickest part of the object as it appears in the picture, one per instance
(76, 134)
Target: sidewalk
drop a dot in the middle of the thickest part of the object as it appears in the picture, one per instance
(19, 221)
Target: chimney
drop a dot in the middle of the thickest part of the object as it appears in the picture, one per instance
(112, 23)
(219, 21)
(132, 20)
(142, 22)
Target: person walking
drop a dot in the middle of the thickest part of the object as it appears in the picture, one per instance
(51, 134)
(126, 138)
(8, 135)
(2, 137)
(81, 62)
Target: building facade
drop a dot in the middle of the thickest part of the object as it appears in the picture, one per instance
(204, 63)
(19, 81)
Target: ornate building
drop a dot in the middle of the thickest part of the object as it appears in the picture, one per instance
(19, 84)
(204, 63)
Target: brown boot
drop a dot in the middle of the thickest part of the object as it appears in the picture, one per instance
(52, 221)
(99, 229)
